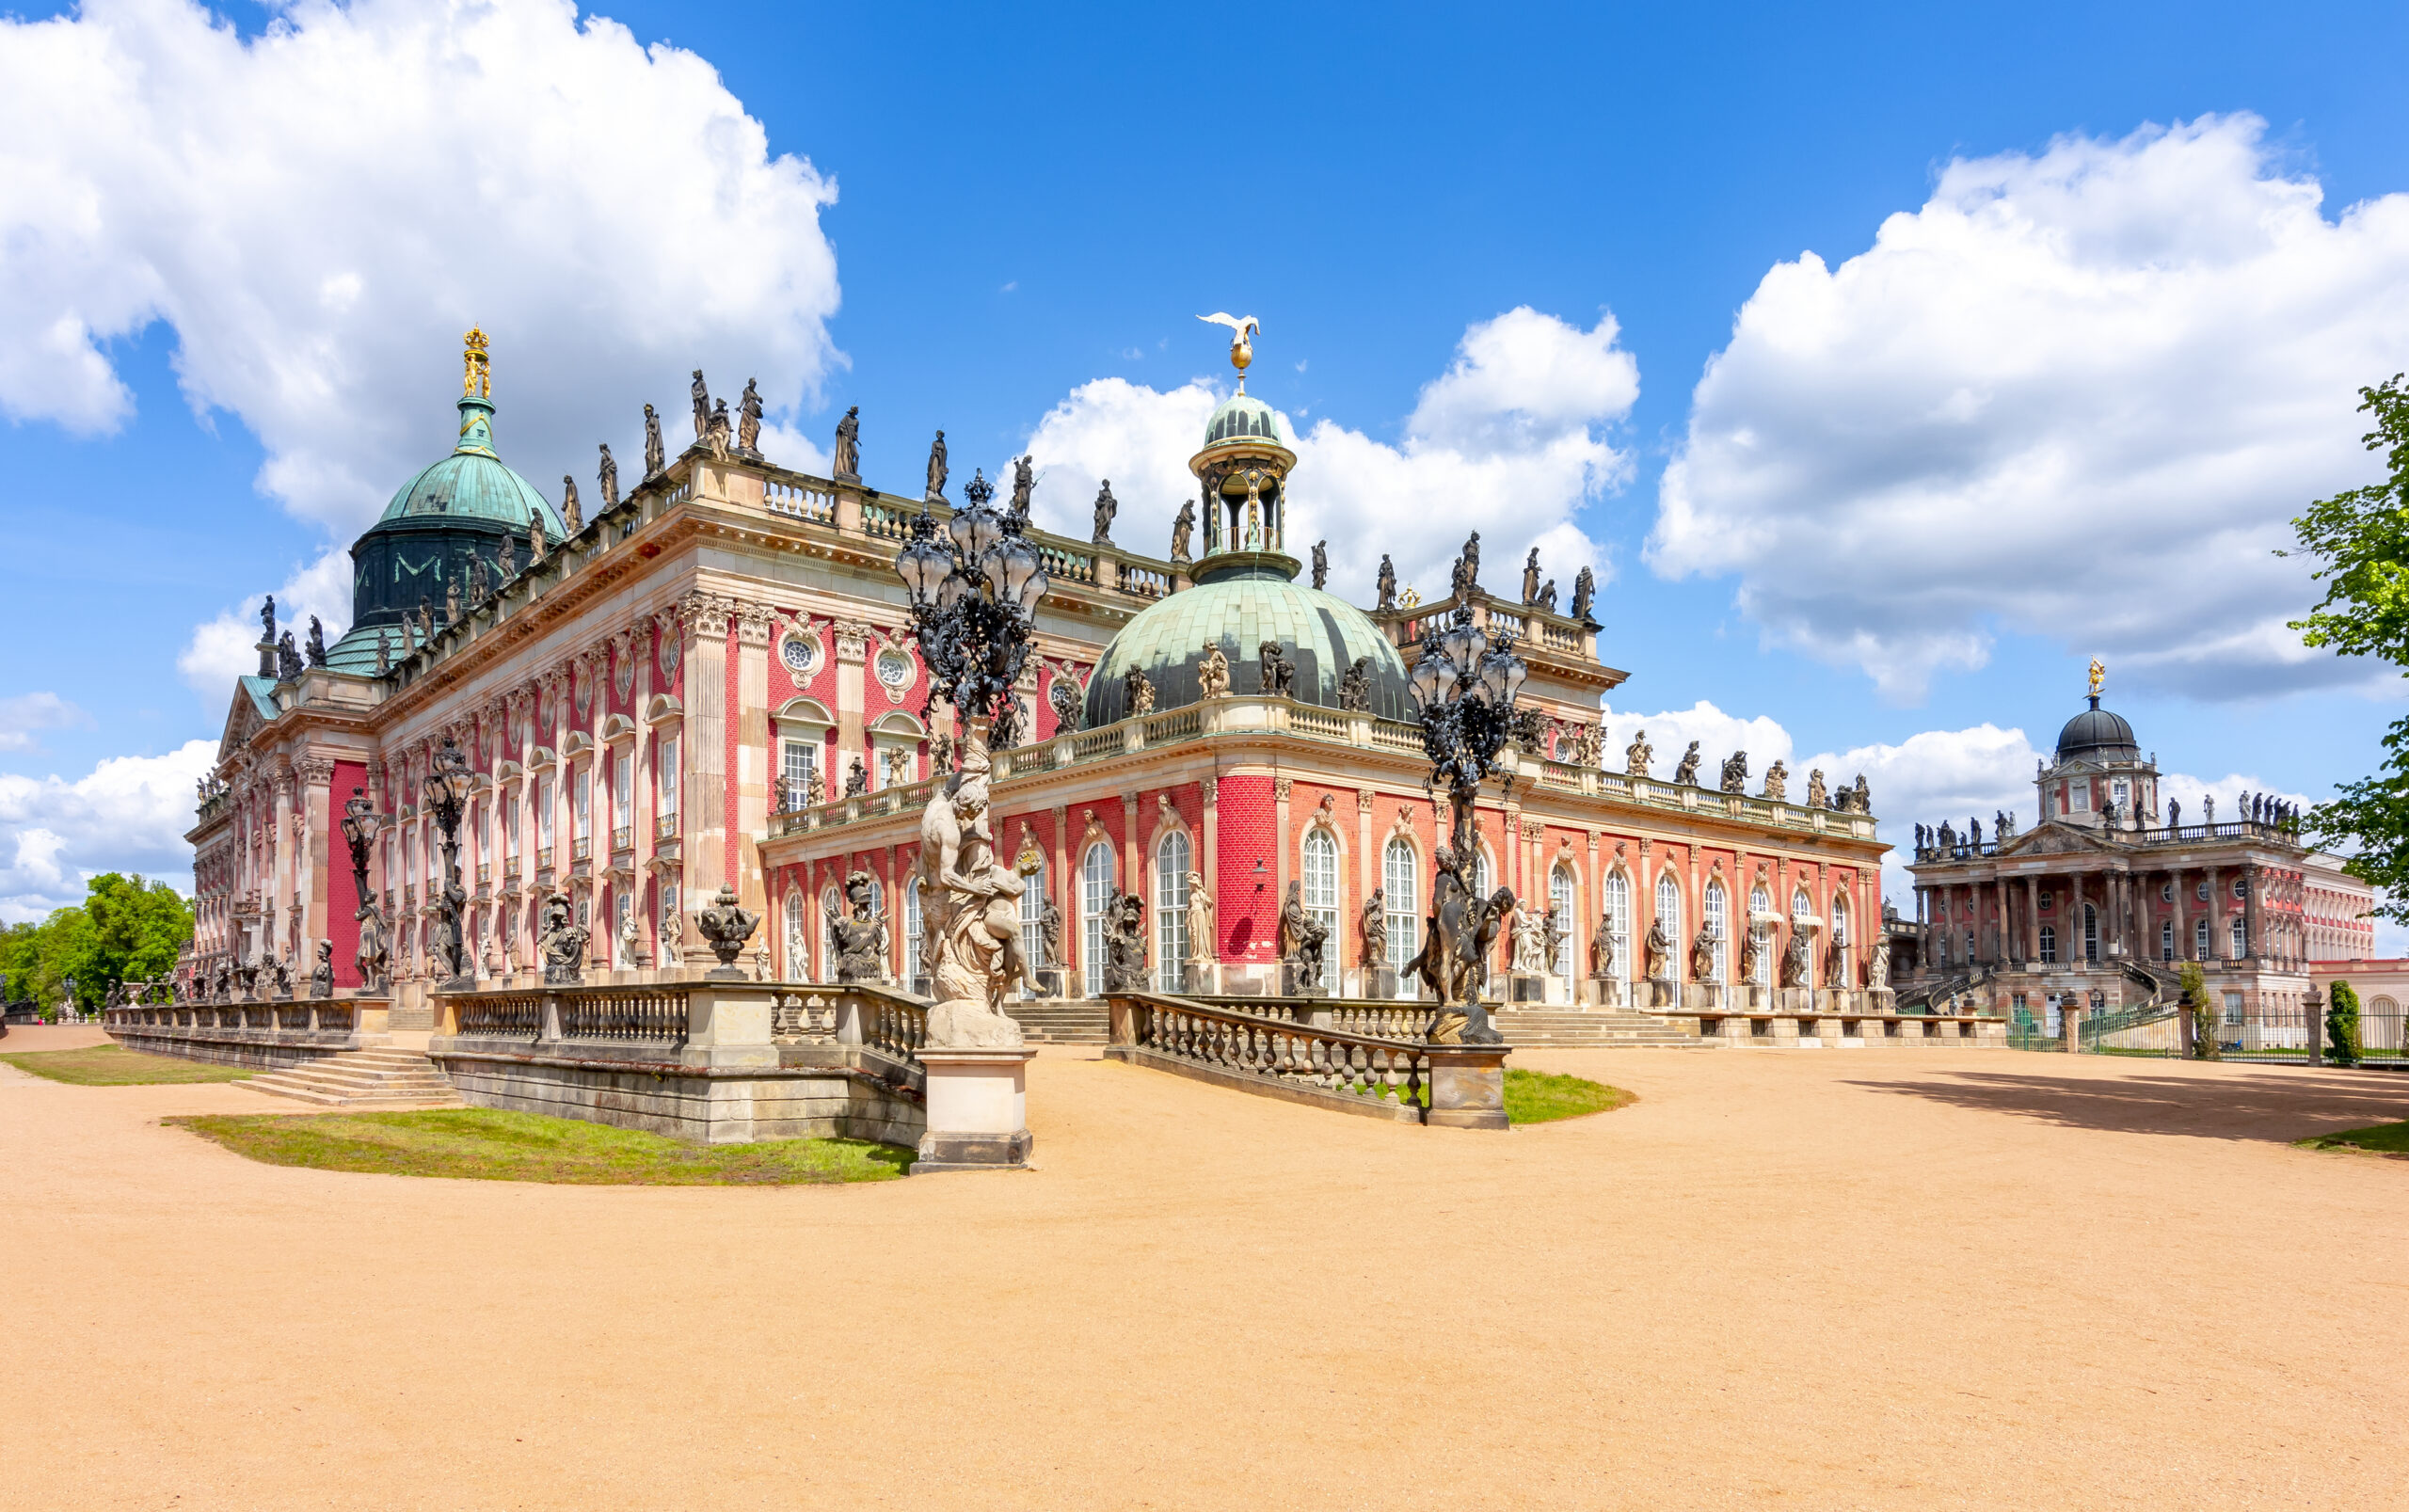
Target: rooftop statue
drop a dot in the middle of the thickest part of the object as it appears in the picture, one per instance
(384, 653)
(508, 566)
(1024, 484)
(748, 421)
(1277, 675)
(1687, 772)
(938, 469)
(267, 620)
(1106, 508)
(1321, 564)
(1637, 756)
(847, 465)
(1064, 696)
(570, 513)
(1547, 597)
(1243, 330)
(535, 537)
(1815, 793)
(655, 457)
(1183, 529)
(1213, 671)
(607, 477)
(1584, 588)
(718, 435)
(1531, 577)
(1386, 584)
(1777, 782)
(315, 648)
(702, 405)
(1736, 773)
(1136, 693)
(1355, 686)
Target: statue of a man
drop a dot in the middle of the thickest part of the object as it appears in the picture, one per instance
(1877, 965)
(322, 975)
(1472, 560)
(1321, 564)
(1024, 484)
(748, 420)
(937, 467)
(1778, 781)
(719, 436)
(267, 620)
(1531, 577)
(1604, 960)
(655, 456)
(1702, 956)
(1736, 773)
(1106, 508)
(1374, 923)
(1136, 693)
(1686, 774)
(969, 911)
(562, 943)
(1181, 529)
(1049, 933)
(1584, 588)
(856, 779)
(1301, 937)
(607, 478)
(1387, 583)
(1636, 755)
(1797, 959)
(452, 956)
(1530, 943)
(1816, 796)
(847, 465)
(702, 405)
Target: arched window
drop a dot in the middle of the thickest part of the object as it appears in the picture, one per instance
(911, 933)
(1668, 913)
(1840, 974)
(1479, 882)
(2090, 932)
(1401, 894)
(1559, 897)
(2166, 939)
(1760, 932)
(1616, 914)
(1096, 893)
(1032, 923)
(1170, 911)
(2241, 938)
(1321, 897)
(2048, 945)
(832, 901)
(1718, 932)
(1802, 917)
(2200, 939)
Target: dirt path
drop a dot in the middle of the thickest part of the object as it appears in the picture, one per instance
(1814, 1279)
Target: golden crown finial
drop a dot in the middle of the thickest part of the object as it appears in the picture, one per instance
(2098, 675)
(476, 378)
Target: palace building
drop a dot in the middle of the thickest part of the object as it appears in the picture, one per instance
(710, 680)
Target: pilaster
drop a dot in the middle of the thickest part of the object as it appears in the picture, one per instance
(755, 624)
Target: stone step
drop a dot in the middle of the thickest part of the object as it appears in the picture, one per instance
(1080, 1020)
(355, 1078)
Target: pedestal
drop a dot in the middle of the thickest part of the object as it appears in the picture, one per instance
(1049, 981)
(1526, 987)
(1295, 982)
(1467, 1086)
(1379, 983)
(977, 1105)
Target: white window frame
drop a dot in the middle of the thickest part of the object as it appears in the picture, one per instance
(1099, 889)
(1173, 858)
(1562, 896)
(1615, 896)
(1669, 913)
(1401, 898)
(1032, 920)
(1319, 858)
(1761, 901)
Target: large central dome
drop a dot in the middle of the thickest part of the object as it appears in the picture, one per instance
(2098, 735)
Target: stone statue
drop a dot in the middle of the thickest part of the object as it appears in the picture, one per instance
(1948, 836)
(969, 911)
(322, 975)
(425, 621)
(941, 753)
(1531, 577)
(1049, 933)
(450, 952)
(1064, 696)
(1454, 959)
(1181, 529)
(937, 468)
(1603, 963)
(1024, 484)
(719, 436)
(1136, 693)
(315, 648)
(1373, 922)
(288, 661)
(1200, 924)
(571, 512)
(1861, 797)
(1125, 946)
(856, 779)
(1301, 938)
(815, 788)
(630, 942)
(2174, 813)
(1686, 774)
(562, 943)
(724, 928)
(1547, 597)
(1702, 956)
(857, 941)
(1552, 934)
(535, 538)
(1106, 507)
(1815, 795)
(655, 456)
(1636, 755)
(1736, 773)
(748, 421)
(1278, 674)
(1530, 943)
(607, 478)
(1321, 564)
(847, 465)
(1355, 686)
(480, 583)
(1470, 560)
(1749, 954)
(508, 567)
(1973, 832)
(2208, 808)
(1778, 781)
(267, 620)
(1797, 960)
(702, 405)
(281, 965)
(1581, 747)
(371, 958)
(1585, 589)
(1386, 584)
(384, 654)
(1836, 969)
(1877, 964)
(1213, 671)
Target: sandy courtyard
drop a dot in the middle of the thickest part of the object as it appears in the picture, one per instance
(1814, 1279)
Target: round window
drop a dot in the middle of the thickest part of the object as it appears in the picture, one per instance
(801, 653)
(671, 646)
(894, 669)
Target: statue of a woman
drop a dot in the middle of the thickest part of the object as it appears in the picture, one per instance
(937, 467)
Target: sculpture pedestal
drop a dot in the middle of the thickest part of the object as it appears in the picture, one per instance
(1296, 981)
(1379, 983)
(1049, 981)
(977, 1105)
(1467, 1086)
(1526, 987)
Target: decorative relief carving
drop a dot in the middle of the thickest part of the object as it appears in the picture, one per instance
(852, 639)
(1280, 787)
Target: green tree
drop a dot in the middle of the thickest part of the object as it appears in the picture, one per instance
(125, 927)
(2360, 538)
(2204, 1045)
(2342, 1025)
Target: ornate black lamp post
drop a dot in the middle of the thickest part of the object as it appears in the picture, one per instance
(360, 825)
(448, 782)
(1464, 683)
(974, 588)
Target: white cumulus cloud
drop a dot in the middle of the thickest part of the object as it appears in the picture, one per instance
(127, 814)
(26, 714)
(1511, 439)
(2078, 394)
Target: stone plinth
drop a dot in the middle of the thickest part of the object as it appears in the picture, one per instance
(1050, 981)
(977, 1110)
(1526, 987)
(1467, 1086)
(1296, 981)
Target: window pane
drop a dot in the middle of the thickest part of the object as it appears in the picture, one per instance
(1321, 899)
(1096, 902)
(1559, 897)
(1401, 894)
(1170, 911)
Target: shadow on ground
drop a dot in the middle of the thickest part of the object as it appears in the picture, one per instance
(2278, 1107)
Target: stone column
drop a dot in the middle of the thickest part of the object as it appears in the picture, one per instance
(2254, 920)
(852, 655)
(2002, 949)
(2220, 938)
(749, 757)
(707, 860)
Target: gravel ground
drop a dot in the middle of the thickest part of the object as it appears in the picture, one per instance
(1805, 1278)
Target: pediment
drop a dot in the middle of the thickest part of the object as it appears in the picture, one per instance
(2055, 839)
(242, 720)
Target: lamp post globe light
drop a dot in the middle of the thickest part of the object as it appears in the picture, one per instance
(973, 587)
(1464, 685)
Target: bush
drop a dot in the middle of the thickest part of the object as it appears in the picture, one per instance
(2205, 1028)
(2342, 1025)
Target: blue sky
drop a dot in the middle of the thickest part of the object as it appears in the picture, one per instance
(1017, 204)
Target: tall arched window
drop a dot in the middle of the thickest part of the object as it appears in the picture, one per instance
(2241, 938)
(2048, 945)
(1479, 882)
(2166, 939)
(2200, 939)
(1616, 914)
(1840, 941)
(2090, 932)
(911, 933)
(832, 901)
(1321, 897)
(1033, 922)
(1668, 913)
(1559, 897)
(1401, 895)
(1170, 911)
(1095, 907)
(1761, 904)
(1718, 932)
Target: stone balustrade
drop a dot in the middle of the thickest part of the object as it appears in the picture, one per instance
(264, 1034)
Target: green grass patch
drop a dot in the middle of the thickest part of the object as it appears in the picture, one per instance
(2384, 1138)
(489, 1144)
(1538, 1097)
(113, 1065)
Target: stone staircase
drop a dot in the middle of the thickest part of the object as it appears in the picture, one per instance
(383, 1078)
(1592, 1030)
(1072, 1021)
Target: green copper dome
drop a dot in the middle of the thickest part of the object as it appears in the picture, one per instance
(473, 483)
(1241, 416)
(1244, 602)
